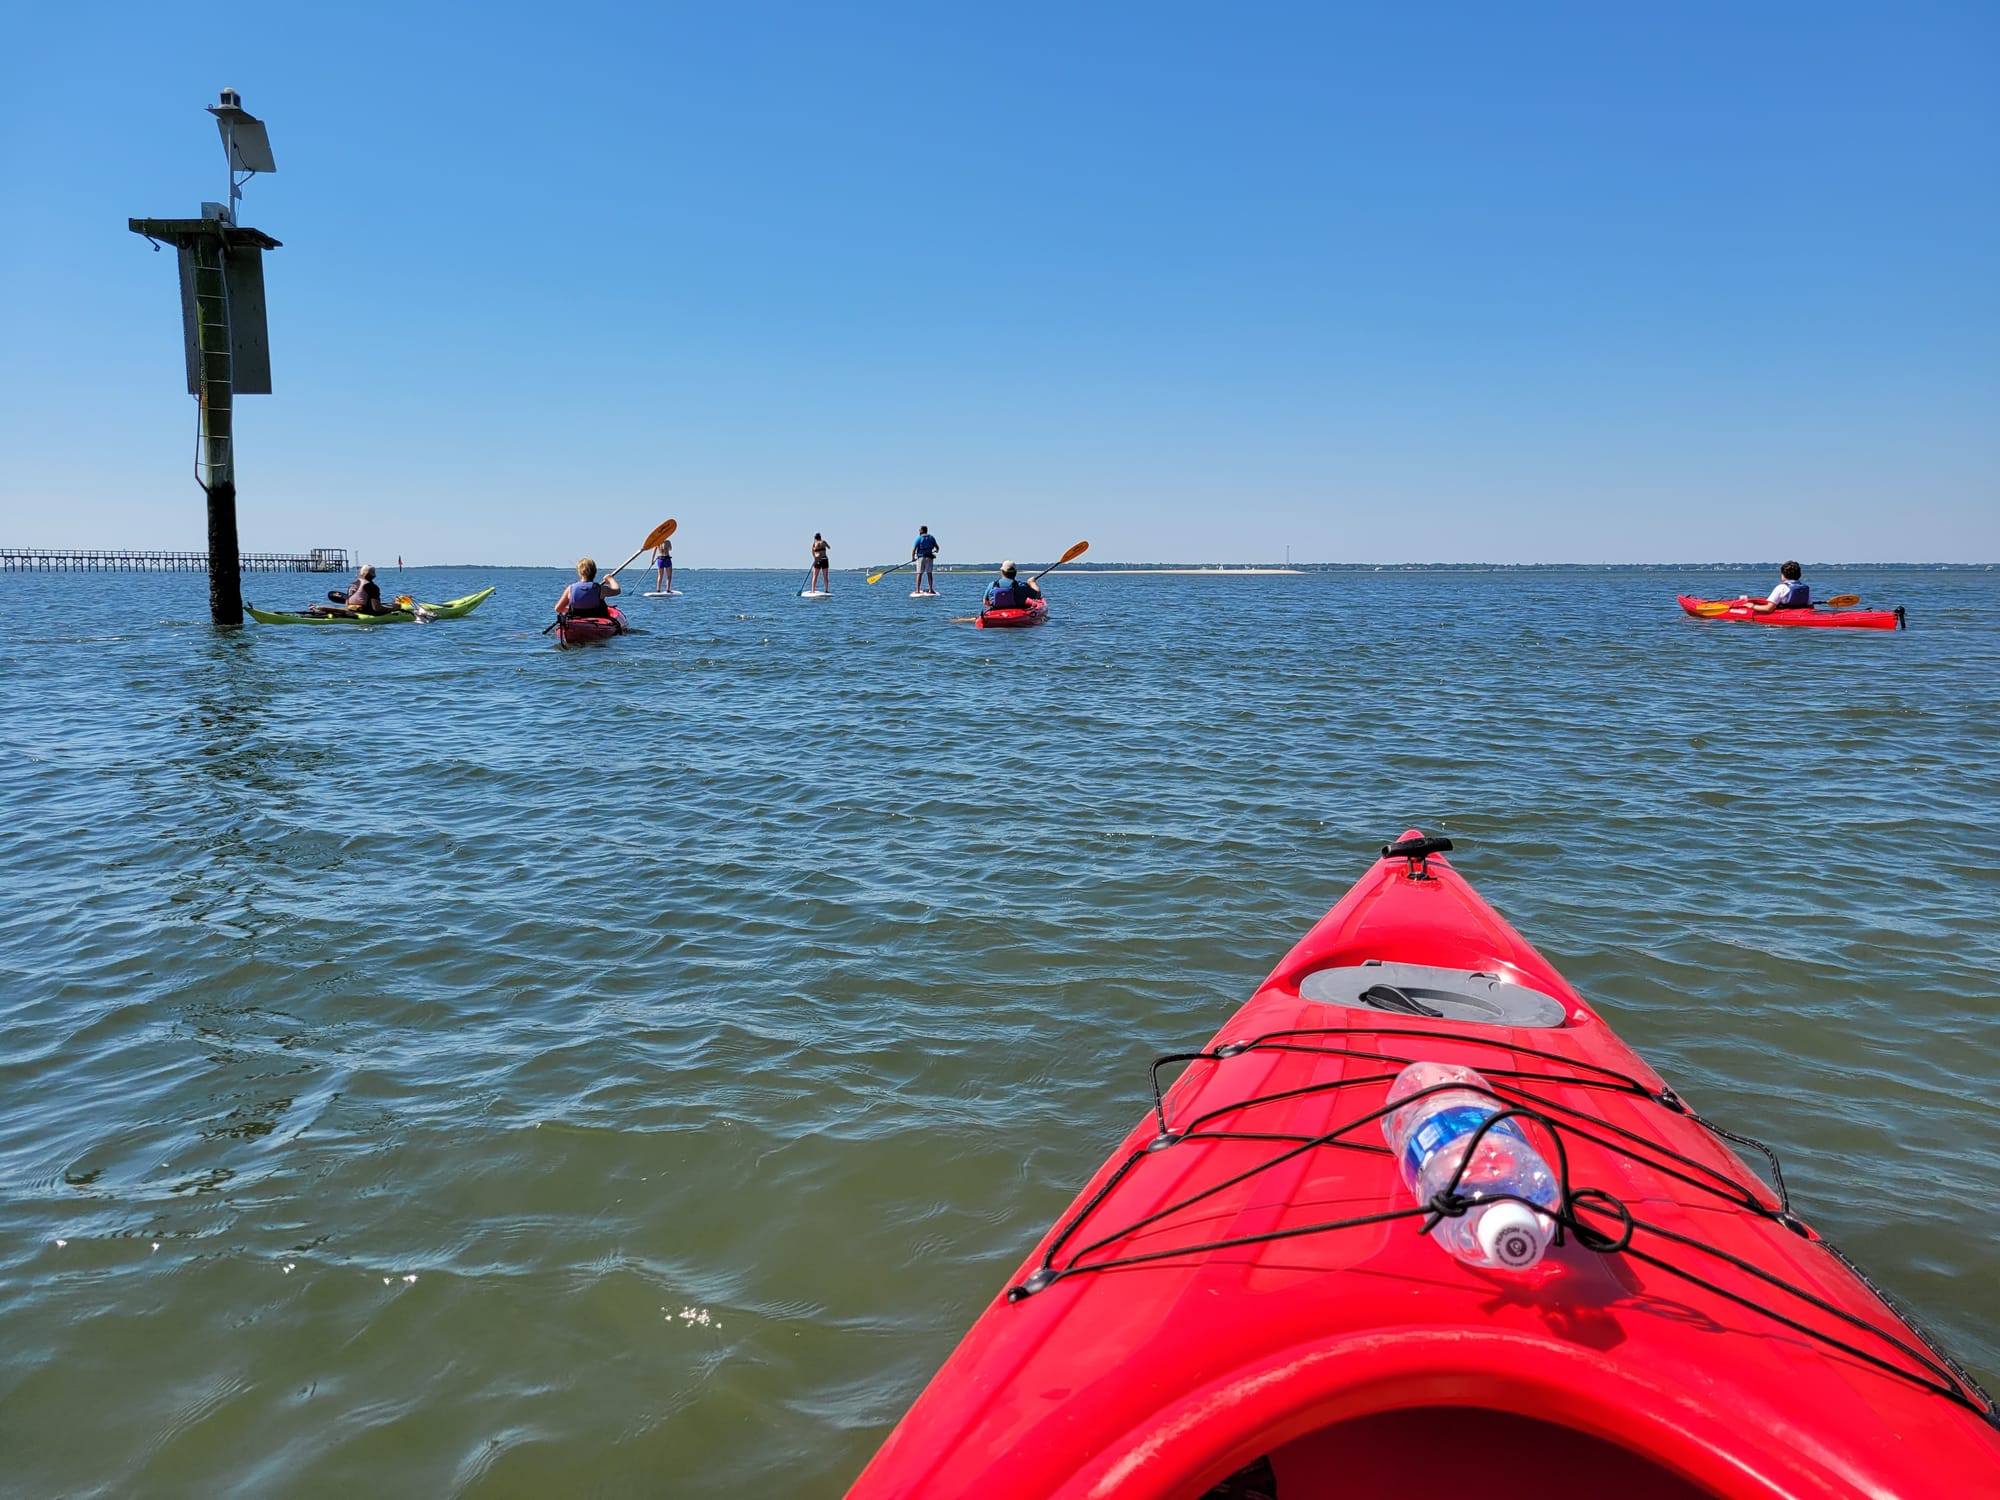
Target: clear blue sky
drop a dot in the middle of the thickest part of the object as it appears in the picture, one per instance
(1555, 282)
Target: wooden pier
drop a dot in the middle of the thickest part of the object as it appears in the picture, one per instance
(144, 560)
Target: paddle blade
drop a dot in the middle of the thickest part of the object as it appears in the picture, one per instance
(404, 601)
(1843, 601)
(1075, 552)
(659, 533)
(877, 577)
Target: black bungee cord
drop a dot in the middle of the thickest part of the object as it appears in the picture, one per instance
(1922, 1364)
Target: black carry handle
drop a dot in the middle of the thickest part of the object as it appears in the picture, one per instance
(1421, 847)
(1417, 851)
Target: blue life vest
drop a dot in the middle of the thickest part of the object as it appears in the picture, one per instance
(926, 545)
(586, 598)
(1797, 596)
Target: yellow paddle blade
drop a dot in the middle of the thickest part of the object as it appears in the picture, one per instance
(1843, 601)
(877, 577)
(1711, 610)
(659, 533)
(404, 601)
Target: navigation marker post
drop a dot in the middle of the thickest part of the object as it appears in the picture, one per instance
(227, 342)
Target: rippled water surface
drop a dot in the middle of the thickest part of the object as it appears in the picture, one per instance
(431, 1062)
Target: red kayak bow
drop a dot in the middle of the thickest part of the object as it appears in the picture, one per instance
(1243, 1302)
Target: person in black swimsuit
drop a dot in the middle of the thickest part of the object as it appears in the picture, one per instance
(822, 575)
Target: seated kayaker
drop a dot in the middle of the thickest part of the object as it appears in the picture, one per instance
(585, 599)
(362, 597)
(1792, 592)
(1009, 592)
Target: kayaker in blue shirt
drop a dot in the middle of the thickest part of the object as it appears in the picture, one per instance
(1010, 593)
(1792, 592)
(586, 598)
(925, 550)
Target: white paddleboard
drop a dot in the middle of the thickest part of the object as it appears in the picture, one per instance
(924, 594)
(663, 593)
(815, 593)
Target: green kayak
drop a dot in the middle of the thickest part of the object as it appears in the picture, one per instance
(448, 611)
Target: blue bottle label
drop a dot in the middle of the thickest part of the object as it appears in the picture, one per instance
(1446, 1126)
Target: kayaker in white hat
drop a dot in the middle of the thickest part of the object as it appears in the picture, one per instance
(1008, 592)
(363, 596)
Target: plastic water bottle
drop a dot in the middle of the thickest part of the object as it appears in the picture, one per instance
(1429, 1138)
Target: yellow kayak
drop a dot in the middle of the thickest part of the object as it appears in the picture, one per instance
(450, 610)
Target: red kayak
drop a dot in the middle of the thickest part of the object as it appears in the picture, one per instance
(1035, 613)
(1836, 619)
(578, 630)
(1244, 1302)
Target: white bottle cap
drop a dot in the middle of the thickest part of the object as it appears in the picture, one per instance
(1512, 1235)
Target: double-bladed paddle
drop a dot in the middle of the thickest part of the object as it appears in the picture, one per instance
(653, 539)
(1712, 608)
(403, 601)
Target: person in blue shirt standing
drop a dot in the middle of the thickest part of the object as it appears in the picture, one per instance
(925, 550)
(1009, 592)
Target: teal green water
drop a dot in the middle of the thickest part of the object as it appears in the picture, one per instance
(434, 1063)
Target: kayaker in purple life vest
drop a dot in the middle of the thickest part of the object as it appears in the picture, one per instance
(1010, 593)
(1792, 592)
(585, 599)
(363, 596)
